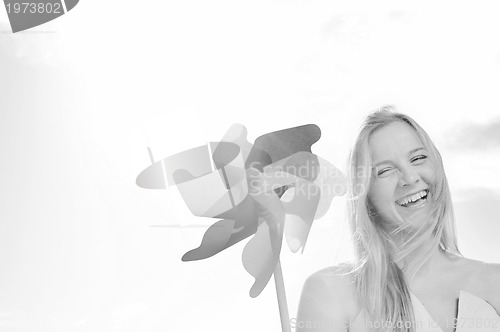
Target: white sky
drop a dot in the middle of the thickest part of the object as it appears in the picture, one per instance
(82, 97)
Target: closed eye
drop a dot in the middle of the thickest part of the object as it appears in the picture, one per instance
(383, 171)
(419, 159)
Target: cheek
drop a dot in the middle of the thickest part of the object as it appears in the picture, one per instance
(428, 174)
(382, 192)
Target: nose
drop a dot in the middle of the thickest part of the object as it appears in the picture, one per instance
(408, 177)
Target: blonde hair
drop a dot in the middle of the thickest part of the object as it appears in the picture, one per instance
(380, 284)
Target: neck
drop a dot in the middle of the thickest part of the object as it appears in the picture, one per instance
(437, 261)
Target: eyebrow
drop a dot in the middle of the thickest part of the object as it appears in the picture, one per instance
(409, 153)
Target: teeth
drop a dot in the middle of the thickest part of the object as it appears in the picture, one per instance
(412, 198)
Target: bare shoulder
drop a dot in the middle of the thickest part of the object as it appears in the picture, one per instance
(486, 280)
(328, 300)
(490, 275)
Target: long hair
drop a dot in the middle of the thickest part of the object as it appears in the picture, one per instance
(380, 284)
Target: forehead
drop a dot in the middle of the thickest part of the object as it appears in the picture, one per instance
(393, 140)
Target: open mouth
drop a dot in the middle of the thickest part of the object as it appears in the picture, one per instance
(415, 199)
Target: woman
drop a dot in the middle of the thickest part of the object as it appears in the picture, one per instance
(408, 274)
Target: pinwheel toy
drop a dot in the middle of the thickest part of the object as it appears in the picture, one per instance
(273, 188)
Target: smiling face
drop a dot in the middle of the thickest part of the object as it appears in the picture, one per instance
(403, 176)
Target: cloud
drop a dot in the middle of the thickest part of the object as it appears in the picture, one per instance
(359, 27)
(476, 212)
(477, 136)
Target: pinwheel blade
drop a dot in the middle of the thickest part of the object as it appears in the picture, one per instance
(283, 143)
(300, 206)
(152, 177)
(261, 253)
(225, 233)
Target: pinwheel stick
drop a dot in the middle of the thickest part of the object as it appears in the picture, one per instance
(280, 292)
